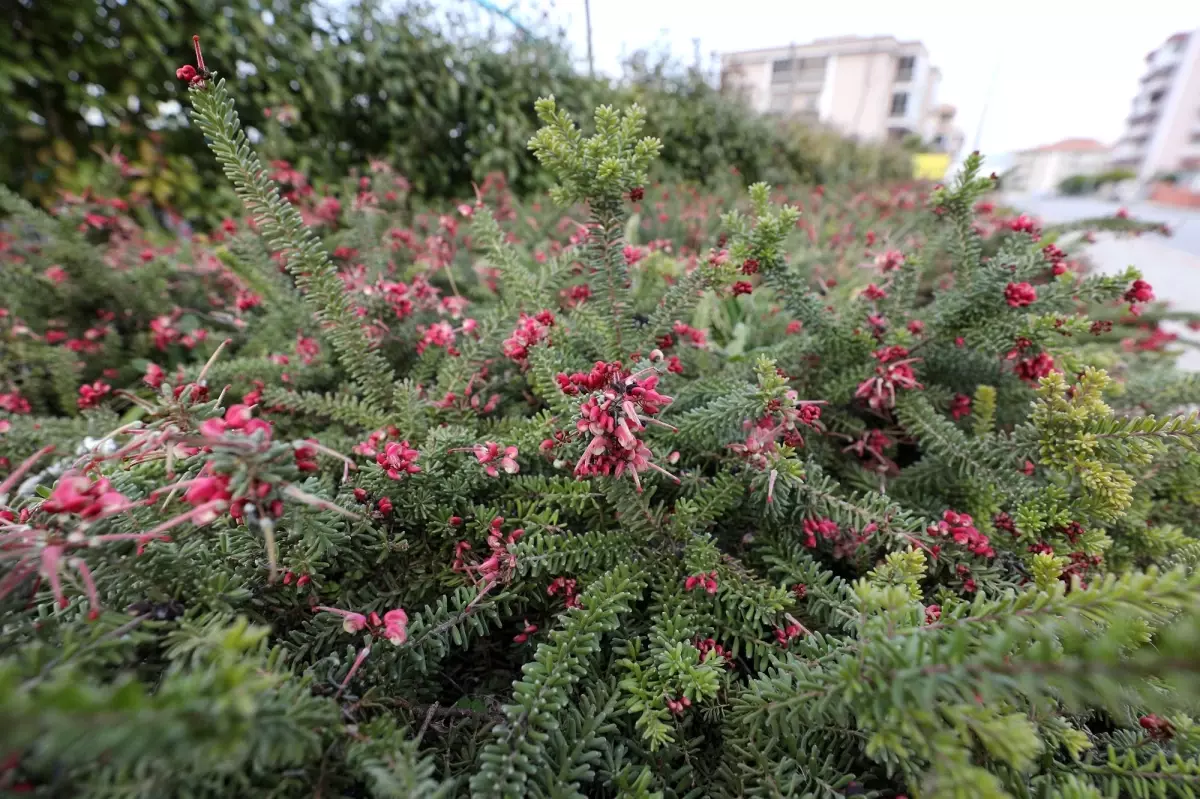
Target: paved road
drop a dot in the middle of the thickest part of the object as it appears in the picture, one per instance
(1172, 265)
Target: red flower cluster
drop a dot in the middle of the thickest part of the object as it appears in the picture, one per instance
(398, 459)
(891, 374)
(1023, 224)
(90, 395)
(393, 626)
(238, 418)
(75, 493)
(1031, 370)
(961, 528)
(710, 645)
(933, 613)
(530, 330)
(620, 406)
(742, 287)
(960, 406)
(706, 581)
(678, 706)
(1002, 521)
(1018, 295)
(528, 630)
(565, 586)
(887, 261)
(827, 528)
(873, 292)
(13, 402)
(1139, 291)
(489, 454)
(750, 266)
(1158, 728)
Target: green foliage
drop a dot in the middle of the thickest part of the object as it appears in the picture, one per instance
(555, 513)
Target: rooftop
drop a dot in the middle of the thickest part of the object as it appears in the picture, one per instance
(1071, 146)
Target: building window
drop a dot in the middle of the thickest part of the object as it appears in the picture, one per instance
(904, 67)
(781, 67)
(899, 104)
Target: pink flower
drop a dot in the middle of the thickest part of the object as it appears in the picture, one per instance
(523, 636)
(490, 454)
(826, 528)
(887, 261)
(530, 330)
(206, 489)
(154, 376)
(706, 581)
(633, 254)
(873, 292)
(1139, 291)
(398, 458)
(351, 622)
(1018, 295)
(395, 626)
(56, 274)
(90, 395)
(1023, 224)
(960, 406)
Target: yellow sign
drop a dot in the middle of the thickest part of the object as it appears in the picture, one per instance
(930, 166)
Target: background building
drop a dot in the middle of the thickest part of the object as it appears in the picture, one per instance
(1040, 170)
(872, 88)
(1162, 133)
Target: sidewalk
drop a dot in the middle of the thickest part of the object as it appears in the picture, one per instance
(1174, 274)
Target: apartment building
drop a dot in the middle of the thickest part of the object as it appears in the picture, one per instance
(872, 88)
(1041, 169)
(1162, 132)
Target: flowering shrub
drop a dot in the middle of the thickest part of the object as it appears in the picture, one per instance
(842, 500)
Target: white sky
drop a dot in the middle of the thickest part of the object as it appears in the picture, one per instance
(1064, 67)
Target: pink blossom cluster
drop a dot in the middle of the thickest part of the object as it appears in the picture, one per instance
(567, 587)
(393, 626)
(490, 456)
(530, 330)
(893, 372)
(91, 394)
(961, 529)
(238, 418)
(13, 402)
(845, 542)
(1018, 295)
(677, 706)
(960, 406)
(398, 459)
(619, 406)
(707, 581)
(75, 493)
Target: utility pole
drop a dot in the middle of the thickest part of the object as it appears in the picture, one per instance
(987, 101)
(587, 13)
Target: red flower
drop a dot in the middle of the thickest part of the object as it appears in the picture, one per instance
(960, 406)
(523, 636)
(706, 581)
(742, 287)
(1139, 291)
(750, 266)
(933, 613)
(1018, 295)
(90, 396)
(490, 454)
(873, 292)
(187, 73)
(398, 459)
(636, 194)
